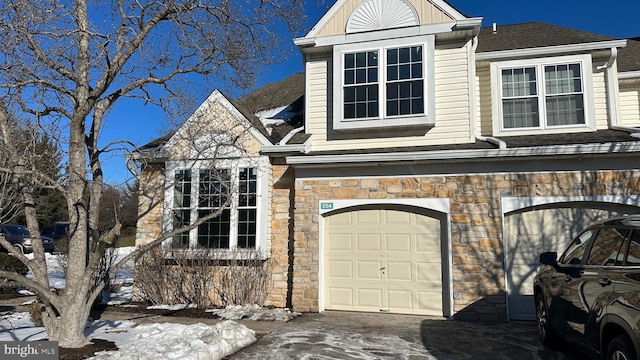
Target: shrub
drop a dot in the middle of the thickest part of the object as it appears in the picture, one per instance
(10, 263)
(35, 312)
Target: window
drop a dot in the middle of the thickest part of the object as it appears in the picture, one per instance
(553, 95)
(232, 191)
(633, 256)
(605, 250)
(384, 84)
(575, 252)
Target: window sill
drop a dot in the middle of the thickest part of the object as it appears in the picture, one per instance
(547, 131)
(216, 254)
(412, 122)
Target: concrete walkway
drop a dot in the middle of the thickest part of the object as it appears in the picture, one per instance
(344, 335)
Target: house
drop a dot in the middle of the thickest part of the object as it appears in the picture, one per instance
(423, 163)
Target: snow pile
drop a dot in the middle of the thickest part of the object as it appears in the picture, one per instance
(254, 313)
(173, 307)
(177, 341)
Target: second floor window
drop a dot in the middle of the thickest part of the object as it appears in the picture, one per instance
(542, 96)
(386, 83)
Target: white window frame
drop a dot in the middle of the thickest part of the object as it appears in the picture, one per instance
(260, 163)
(586, 67)
(383, 121)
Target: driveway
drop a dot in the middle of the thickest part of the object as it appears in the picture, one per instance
(345, 335)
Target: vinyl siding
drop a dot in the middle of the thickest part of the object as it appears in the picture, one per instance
(452, 107)
(630, 105)
(600, 95)
(483, 94)
(427, 12)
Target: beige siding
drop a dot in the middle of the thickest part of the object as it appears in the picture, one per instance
(428, 13)
(317, 73)
(214, 118)
(451, 104)
(630, 105)
(600, 94)
(483, 98)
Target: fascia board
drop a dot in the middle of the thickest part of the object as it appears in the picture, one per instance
(549, 50)
(334, 40)
(629, 75)
(465, 155)
(442, 5)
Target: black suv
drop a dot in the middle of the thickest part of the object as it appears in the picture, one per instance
(590, 296)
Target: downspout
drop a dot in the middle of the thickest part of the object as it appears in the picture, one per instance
(288, 137)
(613, 96)
(473, 99)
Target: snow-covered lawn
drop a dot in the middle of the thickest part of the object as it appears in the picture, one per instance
(151, 341)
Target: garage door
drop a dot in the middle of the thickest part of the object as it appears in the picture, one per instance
(529, 233)
(383, 260)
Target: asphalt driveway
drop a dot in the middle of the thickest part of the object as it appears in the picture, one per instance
(344, 335)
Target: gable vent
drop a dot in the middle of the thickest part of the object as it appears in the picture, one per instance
(382, 14)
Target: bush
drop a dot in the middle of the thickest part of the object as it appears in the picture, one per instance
(10, 263)
(203, 277)
(35, 312)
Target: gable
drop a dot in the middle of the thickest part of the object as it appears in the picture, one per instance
(366, 15)
(216, 129)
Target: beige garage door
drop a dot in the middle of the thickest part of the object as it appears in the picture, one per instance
(383, 260)
(529, 233)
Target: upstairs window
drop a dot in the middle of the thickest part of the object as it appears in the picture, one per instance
(387, 84)
(548, 96)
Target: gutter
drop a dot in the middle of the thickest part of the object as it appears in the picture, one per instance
(629, 75)
(549, 50)
(460, 156)
(475, 120)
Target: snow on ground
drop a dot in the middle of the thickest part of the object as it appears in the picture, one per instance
(124, 275)
(151, 341)
(254, 313)
(148, 341)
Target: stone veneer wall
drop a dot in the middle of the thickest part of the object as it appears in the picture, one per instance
(476, 228)
(150, 204)
(282, 190)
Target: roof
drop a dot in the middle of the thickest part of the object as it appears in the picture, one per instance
(525, 141)
(286, 96)
(532, 35)
(629, 56)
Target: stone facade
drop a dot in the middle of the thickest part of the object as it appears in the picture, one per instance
(476, 225)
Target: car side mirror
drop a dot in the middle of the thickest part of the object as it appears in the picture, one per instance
(549, 258)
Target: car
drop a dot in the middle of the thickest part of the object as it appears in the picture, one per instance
(57, 231)
(20, 238)
(590, 295)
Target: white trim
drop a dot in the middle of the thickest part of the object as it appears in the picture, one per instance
(440, 4)
(510, 204)
(549, 50)
(384, 121)
(628, 75)
(583, 150)
(586, 67)
(216, 96)
(441, 205)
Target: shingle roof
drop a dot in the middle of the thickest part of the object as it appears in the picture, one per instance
(532, 35)
(629, 56)
(596, 137)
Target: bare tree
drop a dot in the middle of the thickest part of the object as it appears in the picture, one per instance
(65, 64)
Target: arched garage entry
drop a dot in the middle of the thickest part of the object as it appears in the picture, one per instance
(547, 226)
(386, 258)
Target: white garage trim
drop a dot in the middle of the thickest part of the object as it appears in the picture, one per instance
(442, 206)
(512, 204)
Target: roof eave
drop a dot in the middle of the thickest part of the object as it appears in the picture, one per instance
(550, 50)
(516, 154)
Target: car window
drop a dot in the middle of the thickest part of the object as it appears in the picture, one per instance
(633, 256)
(605, 250)
(574, 253)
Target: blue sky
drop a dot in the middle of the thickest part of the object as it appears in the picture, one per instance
(618, 18)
